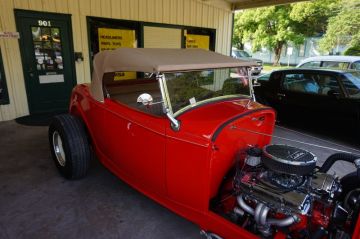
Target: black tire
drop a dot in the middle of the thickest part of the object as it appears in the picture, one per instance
(72, 158)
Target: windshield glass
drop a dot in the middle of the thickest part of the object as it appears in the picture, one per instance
(188, 89)
(264, 77)
(238, 53)
(351, 82)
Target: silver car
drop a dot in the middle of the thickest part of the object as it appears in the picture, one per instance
(337, 62)
(243, 55)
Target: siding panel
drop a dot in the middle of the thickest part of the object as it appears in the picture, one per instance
(179, 13)
(36, 5)
(151, 16)
(172, 11)
(134, 9)
(84, 67)
(76, 27)
(106, 8)
(49, 5)
(187, 13)
(62, 6)
(95, 8)
(21, 4)
(158, 13)
(198, 20)
(143, 11)
(166, 11)
(115, 9)
(13, 73)
(125, 9)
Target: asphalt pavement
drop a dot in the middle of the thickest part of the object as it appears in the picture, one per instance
(35, 202)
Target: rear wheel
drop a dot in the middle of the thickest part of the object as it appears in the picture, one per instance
(69, 146)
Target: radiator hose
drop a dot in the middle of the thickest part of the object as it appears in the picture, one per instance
(351, 158)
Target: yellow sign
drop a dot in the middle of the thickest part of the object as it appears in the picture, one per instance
(197, 41)
(110, 39)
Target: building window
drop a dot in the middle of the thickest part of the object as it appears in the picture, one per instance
(4, 97)
(302, 50)
(109, 34)
(162, 37)
(199, 38)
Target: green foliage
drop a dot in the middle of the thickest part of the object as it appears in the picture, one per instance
(237, 33)
(352, 51)
(313, 16)
(275, 26)
(344, 28)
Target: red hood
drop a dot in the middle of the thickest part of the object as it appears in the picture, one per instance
(206, 121)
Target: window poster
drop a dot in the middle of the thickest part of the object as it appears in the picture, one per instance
(110, 39)
(197, 41)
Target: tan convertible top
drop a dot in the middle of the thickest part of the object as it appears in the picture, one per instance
(156, 60)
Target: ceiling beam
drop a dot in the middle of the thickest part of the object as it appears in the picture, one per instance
(246, 4)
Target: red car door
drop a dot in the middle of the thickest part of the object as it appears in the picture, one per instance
(136, 146)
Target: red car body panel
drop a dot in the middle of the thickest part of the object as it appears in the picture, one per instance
(181, 170)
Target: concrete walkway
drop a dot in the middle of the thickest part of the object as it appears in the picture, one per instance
(35, 202)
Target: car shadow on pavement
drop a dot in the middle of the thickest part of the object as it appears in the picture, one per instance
(340, 133)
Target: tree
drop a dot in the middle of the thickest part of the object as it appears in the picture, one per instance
(353, 51)
(275, 26)
(237, 33)
(344, 28)
(269, 27)
(313, 16)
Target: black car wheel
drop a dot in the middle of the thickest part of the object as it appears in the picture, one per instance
(69, 146)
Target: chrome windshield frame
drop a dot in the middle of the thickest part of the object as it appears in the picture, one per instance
(175, 124)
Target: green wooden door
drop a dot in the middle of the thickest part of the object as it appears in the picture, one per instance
(48, 59)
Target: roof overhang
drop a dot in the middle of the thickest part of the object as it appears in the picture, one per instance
(245, 4)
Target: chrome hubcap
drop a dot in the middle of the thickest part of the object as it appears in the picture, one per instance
(58, 148)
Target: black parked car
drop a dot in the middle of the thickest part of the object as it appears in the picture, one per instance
(321, 94)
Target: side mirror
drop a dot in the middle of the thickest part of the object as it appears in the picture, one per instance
(145, 99)
(256, 83)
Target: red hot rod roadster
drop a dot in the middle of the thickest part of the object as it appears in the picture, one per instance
(205, 149)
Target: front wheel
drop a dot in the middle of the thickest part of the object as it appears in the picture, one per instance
(69, 146)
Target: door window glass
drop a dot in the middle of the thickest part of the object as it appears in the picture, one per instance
(327, 84)
(351, 82)
(47, 48)
(355, 65)
(335, 64)
(311, 83)
(311, 64)
(304, 83)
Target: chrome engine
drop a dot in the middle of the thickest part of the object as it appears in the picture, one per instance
(280, 186)
(278, 192)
